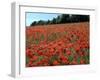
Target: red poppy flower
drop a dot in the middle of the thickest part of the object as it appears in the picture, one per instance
(29, 53)
(55, 62)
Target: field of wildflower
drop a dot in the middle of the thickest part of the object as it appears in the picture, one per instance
(57, 44)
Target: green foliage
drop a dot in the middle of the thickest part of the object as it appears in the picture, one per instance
(27, 59)
(70, 58)
(78, 60)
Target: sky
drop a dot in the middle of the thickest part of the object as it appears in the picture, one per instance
(31, 17)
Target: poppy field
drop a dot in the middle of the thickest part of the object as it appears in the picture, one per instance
(57, 44)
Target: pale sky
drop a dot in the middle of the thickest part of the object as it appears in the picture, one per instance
(31, 16)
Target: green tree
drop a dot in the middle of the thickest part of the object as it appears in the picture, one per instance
(53, 21)
(34, 23)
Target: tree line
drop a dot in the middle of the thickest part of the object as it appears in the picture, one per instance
(63, 18)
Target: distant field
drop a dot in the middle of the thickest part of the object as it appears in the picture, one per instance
(57, 44)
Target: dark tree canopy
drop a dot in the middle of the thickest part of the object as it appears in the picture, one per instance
(63, 18)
